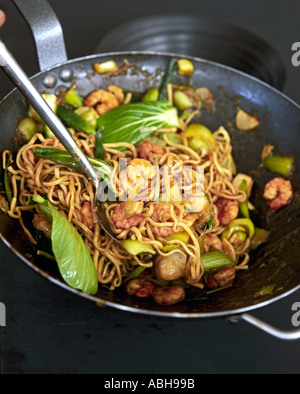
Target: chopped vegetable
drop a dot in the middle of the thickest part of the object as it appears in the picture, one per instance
(73, 98)
(265, 290)
(199, 136)
(48, 133)
(282, 165)
(27, 127)
(244, 210)
(134, 122)
(90, 115)
(151, 95)
(135, 247)
(72, 255)
(172, 137)
(181, 100)
(105, 67)
(216, 260)
(168, 78)
(260, 236)
(71, 119)
(6, 183)
(245, 121)
(243, 225)
(185, 67)
(99, 148)
(206, 97)
(51, 100)
(64, 158)
(134, 274)
(182, 237)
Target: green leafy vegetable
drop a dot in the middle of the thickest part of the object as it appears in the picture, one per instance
(168, 78)
(244, 210)
(215, 260)
(64, 158)
(99, 148)
(71, 119)
(134, 274)
(72, 255)
(134, 122)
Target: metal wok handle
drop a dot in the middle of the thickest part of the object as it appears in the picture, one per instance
(46, 30)
(275, 332)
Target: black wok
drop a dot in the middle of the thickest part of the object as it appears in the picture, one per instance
(277, 262)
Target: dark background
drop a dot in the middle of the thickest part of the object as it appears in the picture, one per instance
(52, 331)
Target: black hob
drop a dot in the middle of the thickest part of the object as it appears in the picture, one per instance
(49, 330)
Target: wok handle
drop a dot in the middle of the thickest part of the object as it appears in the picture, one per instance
(275, 332)
(46, 30)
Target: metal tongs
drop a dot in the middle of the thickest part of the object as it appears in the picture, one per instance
(23, 83)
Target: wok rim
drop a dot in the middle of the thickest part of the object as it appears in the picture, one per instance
(105, 303)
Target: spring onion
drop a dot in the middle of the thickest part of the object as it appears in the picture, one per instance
(135, 247)
(99, 148)
(182, 237)
(134, 122)
(216, 260)
(27, 127)
(261, 235)
(134, 274)
(244, 210)
(282, 165)
(151, 95)
(51, 100)
(73, 98)
(181, 100)
(242, 225)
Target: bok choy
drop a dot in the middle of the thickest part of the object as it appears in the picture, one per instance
(134, 122)
(72, 255)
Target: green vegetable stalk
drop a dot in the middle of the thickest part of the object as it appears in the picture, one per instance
(216, 260)
(282, 165)
(72, 255)
(168, 78)
(76, 122)
(6, 183)
(244, 210)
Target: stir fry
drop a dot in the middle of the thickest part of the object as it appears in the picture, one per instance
(171, 189)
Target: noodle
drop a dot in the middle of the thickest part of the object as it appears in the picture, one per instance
(68, 190)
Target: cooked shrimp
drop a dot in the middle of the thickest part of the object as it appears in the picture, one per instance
(212, 241)
(170, 267)
(139, 287)
(151, 152)
(168, 295)
(105, 100)
(41, 223)
(279, 192)
(162, 214)
(228, 210)
(128, 214)
(225, 276)
(135, 178)
(87, 215)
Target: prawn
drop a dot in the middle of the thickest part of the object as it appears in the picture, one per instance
(228, 210)
(151, 152)
(140, 288)
(135, 178)
(105, 100)
(279, 192)
(41, 223)
(128, 214)
(168, 295)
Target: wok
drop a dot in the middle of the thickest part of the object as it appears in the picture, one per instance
(276, 262)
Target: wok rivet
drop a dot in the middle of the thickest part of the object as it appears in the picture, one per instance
(66, 74)
(49, 81)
